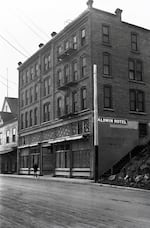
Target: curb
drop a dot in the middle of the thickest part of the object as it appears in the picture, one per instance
(75, 181)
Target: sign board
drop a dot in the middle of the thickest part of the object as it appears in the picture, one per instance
(112, 120)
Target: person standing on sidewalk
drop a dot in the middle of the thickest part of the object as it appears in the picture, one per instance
(35, 167)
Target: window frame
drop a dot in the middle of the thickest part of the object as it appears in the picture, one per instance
(108, 99)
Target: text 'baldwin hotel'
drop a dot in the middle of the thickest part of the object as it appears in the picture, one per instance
(56, 96)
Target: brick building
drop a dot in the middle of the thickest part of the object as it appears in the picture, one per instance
(56, 96)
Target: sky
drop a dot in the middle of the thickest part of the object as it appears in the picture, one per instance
(24, 24)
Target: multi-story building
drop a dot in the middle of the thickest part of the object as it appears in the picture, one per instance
(56, 96)
(8, 135)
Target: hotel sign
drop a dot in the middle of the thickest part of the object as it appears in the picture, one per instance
(112, 120)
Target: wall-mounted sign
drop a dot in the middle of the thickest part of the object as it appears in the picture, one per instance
(112, 120)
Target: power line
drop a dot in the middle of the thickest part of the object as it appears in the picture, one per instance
(3, 38)
(8, 80)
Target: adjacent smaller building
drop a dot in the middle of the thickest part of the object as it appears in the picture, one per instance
(8, 135)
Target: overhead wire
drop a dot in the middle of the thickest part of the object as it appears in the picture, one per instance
(7, 79)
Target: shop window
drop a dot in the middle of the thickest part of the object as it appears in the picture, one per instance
(63, 156)
(81, 159)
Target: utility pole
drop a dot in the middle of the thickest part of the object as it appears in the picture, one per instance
(95, 124)
(7, 80)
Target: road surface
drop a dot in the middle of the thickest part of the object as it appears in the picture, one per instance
(31, 203)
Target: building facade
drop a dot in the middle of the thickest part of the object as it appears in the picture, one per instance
(8, 136)
(56, 96)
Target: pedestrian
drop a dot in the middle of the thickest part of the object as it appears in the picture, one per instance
(35, 167)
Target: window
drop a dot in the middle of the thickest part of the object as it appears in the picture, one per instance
(74, 102)
(26, 119)
(27, 97)
(47, 85)
(83, 66)
(134, 43)
(106, 64)
(66, 104)
(59, 107)
(135, 70)
(75, 42)
(31, 95)
(74, 71)
(32, 73)
(66, 45)
(105, 34)
(47, 62)
(46, 112)
(36, 70)
(107, 96)
(83, 98)
(137, 102)
(36, 92)
(22, 121)
(59, 78)
(59, 50)
(83, 37)
(22, 99)
(143, 130)
(7, 136)
(62, 155)
(35, 116)
(31, 117)
(66, 73)
(0, 138)
(23, 78)
(14, 134)
(27, 76)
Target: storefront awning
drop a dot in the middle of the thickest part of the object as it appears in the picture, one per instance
(7, 151)
(67, 138)
(28, 145)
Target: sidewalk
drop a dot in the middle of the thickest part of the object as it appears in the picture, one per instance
(51, 178)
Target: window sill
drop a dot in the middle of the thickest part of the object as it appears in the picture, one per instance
(106, 44)
(107, 76)
(138, 113)
(109, 109)
(135, 52)
(137, 82)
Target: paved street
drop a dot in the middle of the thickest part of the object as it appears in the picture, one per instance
(26, 203)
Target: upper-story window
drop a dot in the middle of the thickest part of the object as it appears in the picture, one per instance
(36, 70)
(31, 117)
(135, 69)
(83, 66)
(106, 64)
(35, 116)
(74, 71)
(107, 96)
(46, 112)
(47, 86)
(26, 119)
(137, 100)
(32, 73)
(66, 46)
(27, 76)
(66, 73)
(83, 37)
(47, 62)
(59, 107)
(59, 78)
(66, 104)
(22, 121)
(22, 98)
(1, 138)
(105, 34)
(134, 42)
(7, 136)
(14, 134)
(23, 78)
(74, 42)
(83, 98)
(27, 97)
(59, 50)
(31, 95)
(36, 92)
(74, 102)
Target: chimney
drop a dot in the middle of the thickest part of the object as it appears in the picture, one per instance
(41, 45)
(118, 13)
(90, 4)
(53, 34)
(19, 63)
